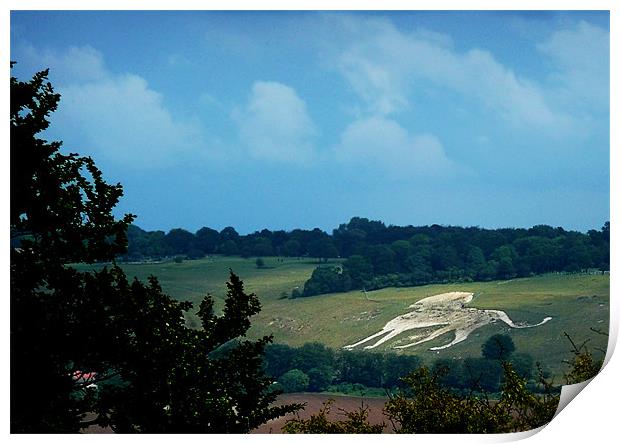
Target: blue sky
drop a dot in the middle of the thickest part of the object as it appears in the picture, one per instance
(282, 120)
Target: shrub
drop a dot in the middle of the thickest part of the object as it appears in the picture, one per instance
(294, 381)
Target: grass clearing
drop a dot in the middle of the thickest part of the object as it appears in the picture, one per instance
(191, 279)
(575, 302)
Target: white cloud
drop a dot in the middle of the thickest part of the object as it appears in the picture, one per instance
(379, 142)
(121, 119)
(115, 117)
(382, 88)
(581, 60)
(274, 125)
(385, 67)
(75, 65)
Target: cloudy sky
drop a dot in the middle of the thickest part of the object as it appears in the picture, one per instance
(285, 120)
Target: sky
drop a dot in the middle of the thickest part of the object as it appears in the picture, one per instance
(286, 120)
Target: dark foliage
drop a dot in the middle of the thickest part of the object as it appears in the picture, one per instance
(428, 407)
(334, 369)
(378, 256)
(498, 346)
(94, 341)
(60, 213)
(355, 422)
(583, 365)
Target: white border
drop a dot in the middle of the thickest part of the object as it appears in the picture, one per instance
(591, 417)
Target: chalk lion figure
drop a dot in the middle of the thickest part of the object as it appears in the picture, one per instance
(446, 311)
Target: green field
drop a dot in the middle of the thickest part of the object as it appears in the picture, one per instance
(577, 303)
(191, 280)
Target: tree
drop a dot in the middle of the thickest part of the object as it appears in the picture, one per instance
(322, 249)
(291, 248)
(154, 373)
(174, 379)
(482, 374)
(419, 266)
(523, 364)
(498, 346)
(260, 263)
(362, 368)
(327, 280)
(583, 366)
(228, 248)
(207, 239)
(311, 355)
(427, 406)
(262, 247)
(294, 381)
(452, 372)
(359, 269)
(278, 358)
(319, 378)
(402, 249)
(57, 216)
(229, 233)
(505, 256)
(180, 241)
(395, 366)
(382, 258)
(475, 262)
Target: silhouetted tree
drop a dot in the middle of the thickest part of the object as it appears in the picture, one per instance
(498, 346)
(70, 329)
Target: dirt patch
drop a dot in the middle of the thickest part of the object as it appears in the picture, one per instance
(289, 324)
(445, 313)
(363, 316)
(314, 402)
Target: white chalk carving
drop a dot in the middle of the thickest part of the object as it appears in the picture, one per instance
(446, 311)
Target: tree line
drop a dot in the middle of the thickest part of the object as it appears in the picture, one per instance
(313, 367)
(206, 241)
(426, 404)
(377, 256)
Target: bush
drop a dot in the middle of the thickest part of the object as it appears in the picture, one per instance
(356, 422)
(294, 381)
(348, 389)
(428, 407)
(320, 378)
(498, 346)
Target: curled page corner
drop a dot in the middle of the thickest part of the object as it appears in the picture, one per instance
(518, 436)
(568, 393)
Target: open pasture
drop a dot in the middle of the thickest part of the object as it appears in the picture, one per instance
(191, 279)
(576, 303)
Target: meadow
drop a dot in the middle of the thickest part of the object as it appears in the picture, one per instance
(577, 303)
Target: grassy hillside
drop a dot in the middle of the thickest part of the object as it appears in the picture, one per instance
(191, 280)
(576, 303)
